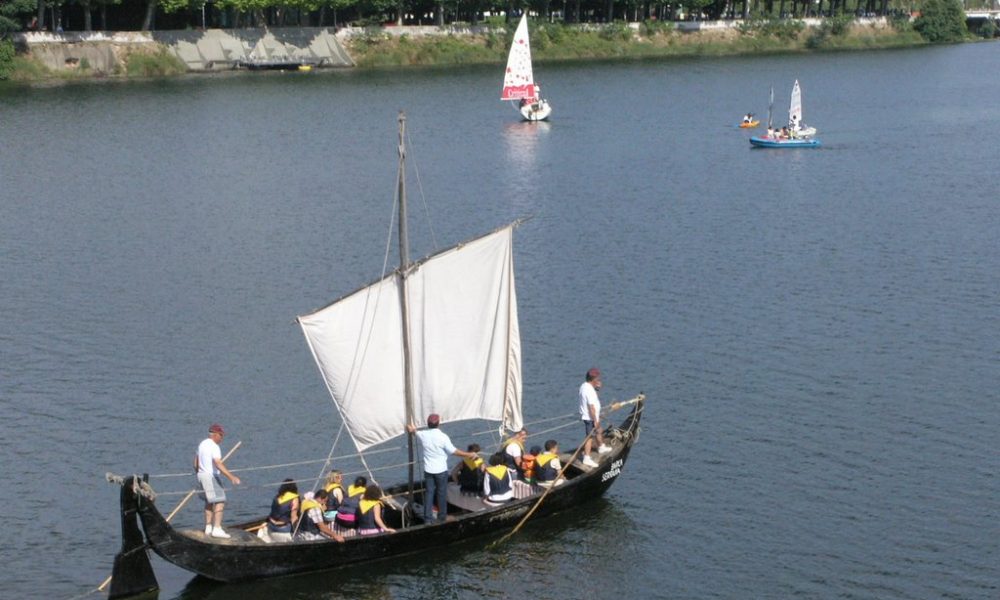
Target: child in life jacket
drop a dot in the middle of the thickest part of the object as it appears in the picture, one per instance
(468, 474)
(528, 464)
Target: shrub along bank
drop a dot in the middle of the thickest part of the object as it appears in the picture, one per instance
(555, 42)
(558, 42)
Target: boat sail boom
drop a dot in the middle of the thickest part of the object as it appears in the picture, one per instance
(465, 348)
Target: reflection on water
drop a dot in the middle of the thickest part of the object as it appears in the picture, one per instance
(524, 143)
(522, 140)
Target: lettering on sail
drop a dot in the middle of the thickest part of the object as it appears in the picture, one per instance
(615, 471)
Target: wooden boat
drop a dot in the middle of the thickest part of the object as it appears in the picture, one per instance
(481, 272)
(766, 142)
(519, 81)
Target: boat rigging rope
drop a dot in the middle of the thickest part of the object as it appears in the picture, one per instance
(359, 455)
(283, 465)
(329, 457)
(420, 187)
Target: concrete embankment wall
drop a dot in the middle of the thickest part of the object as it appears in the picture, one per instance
(213, 49)
(220, 49)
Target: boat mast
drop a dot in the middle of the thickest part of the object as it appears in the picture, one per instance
(770, 106)
(404, 265)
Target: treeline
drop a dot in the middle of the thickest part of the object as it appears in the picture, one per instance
(128, 15)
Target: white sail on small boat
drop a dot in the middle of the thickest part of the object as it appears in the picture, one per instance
(519, 81)
(795, 124)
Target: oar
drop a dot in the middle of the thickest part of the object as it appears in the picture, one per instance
(179, 506)
(613, 407)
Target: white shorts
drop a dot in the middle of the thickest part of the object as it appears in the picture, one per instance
(211, 486)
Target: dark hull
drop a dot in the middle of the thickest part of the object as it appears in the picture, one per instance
(236, 560)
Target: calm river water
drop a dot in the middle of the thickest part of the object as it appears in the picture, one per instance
(816, 330)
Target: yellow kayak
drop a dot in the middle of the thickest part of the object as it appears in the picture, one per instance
(749, 125)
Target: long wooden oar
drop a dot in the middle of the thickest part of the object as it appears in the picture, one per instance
(613, 407)
(179, 506)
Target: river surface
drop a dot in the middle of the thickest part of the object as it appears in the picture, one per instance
(817, 331)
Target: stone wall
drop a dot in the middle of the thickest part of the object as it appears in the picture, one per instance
(213, 49)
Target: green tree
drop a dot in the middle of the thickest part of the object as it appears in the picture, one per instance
(6, 59)
(13, 13)
(941, 21)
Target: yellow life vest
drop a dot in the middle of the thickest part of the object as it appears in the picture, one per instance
(544, 471)
(310, 504)
(544, 458)
(498, 471)
(332, 486)
(473, 463)
(367, 505)
(514, 440)
(287, 497)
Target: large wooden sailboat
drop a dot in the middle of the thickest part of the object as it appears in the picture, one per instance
(442, 328)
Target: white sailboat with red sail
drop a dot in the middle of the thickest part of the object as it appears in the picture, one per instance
(519, 82)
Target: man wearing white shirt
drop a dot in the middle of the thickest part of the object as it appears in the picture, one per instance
(436, 446)
(590, 414)
(208, 465)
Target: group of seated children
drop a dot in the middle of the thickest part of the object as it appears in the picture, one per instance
(328, 511)
(495, 482)
(781, 134)
(319, 514)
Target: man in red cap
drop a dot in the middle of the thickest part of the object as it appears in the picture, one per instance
(208, 465)
(436, 446)
(590, 414)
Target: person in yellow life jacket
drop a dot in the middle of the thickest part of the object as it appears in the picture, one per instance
(369, 513)
(468, 474)
(348, 508)
(284, 512)
(311, 525)
(334, 488)
(513, 450)
(498, 484)
(528, 464)
(547, 466)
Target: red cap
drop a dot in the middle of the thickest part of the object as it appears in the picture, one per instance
(594, 373)
(433, 419)
(216, 428)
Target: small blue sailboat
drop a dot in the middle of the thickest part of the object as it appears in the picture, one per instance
(774, 141)
(766, 142)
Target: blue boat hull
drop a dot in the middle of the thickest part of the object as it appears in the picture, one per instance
(761, 142)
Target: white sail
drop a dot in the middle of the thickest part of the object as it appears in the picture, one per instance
(518, 80)
(465, 346)
(795, 106)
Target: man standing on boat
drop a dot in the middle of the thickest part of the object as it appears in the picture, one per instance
(208, 465)
(590, 414)
(436, 446)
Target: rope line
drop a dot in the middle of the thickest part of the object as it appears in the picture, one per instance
(283, 465)
(361, 456)
(420, 187)
(85, 594)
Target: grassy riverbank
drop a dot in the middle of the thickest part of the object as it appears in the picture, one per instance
(554, 42)
(155, 61)
(550, 42)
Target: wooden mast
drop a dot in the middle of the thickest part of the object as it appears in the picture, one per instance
(404, 265)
